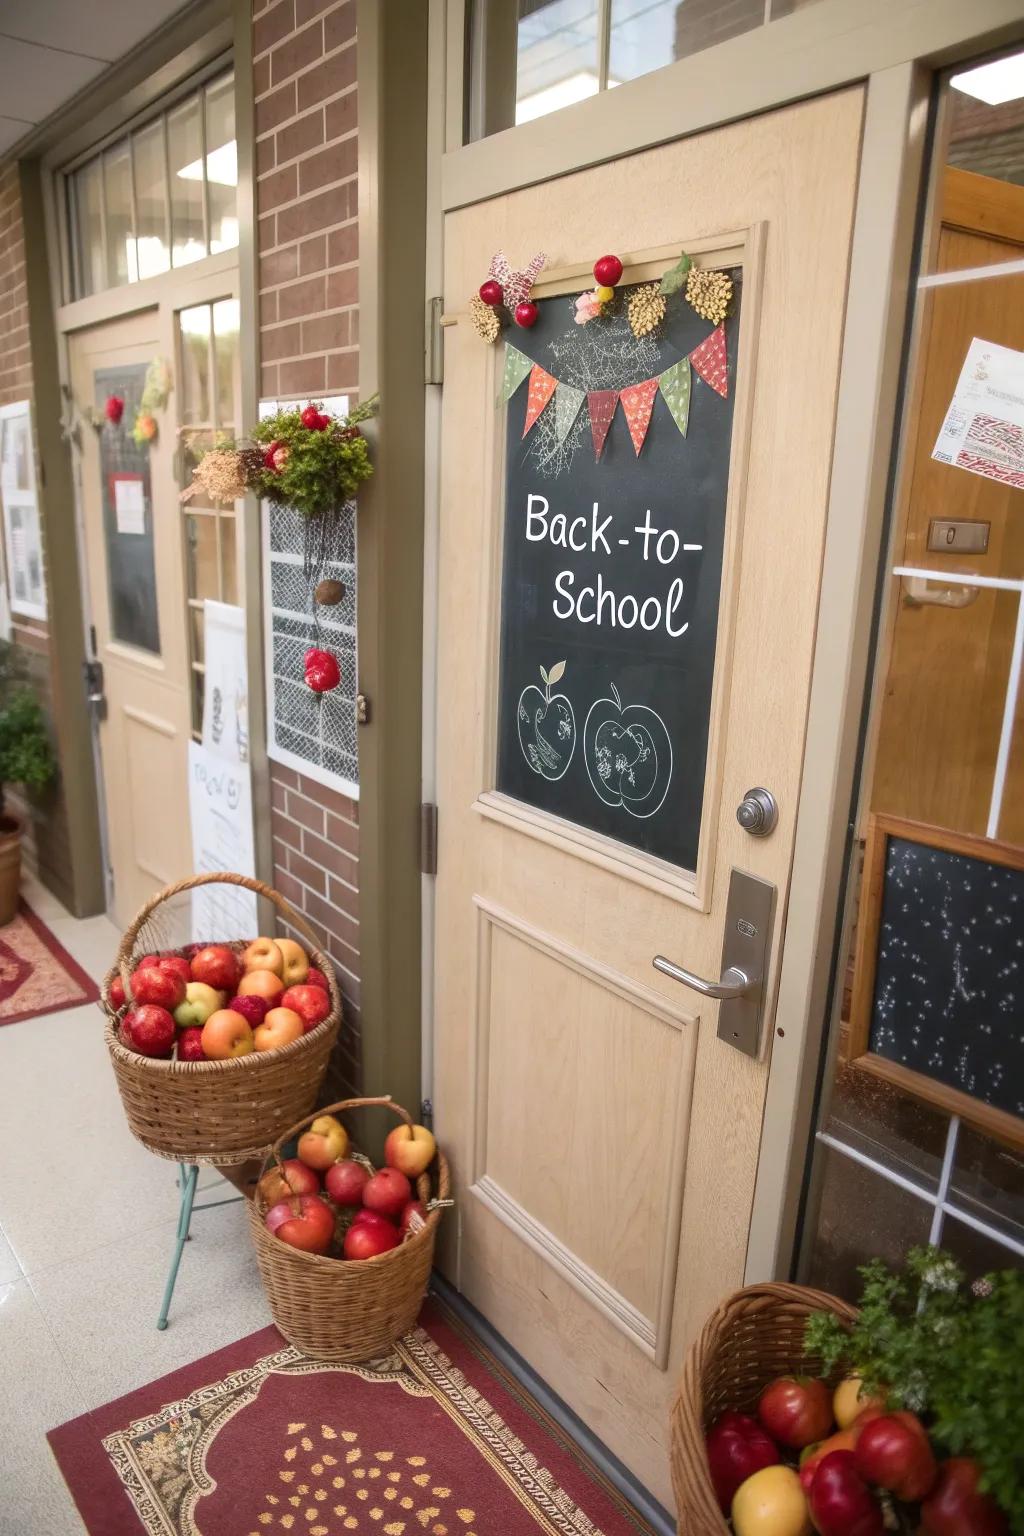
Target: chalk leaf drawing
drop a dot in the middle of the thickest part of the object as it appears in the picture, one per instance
(628, 755)
(547, 725)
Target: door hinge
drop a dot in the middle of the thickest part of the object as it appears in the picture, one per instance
(427, 1113)
(362, 709)
(93, 674)
(433, 351)
(428, 839)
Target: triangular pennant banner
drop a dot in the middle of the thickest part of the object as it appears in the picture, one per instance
(638, 402)
(568, 400)
(601, 404)
(517, 366)
(675, 389)
(542, 387)
(709, 361)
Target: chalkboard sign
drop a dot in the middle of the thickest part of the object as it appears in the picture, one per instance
(611, 579)
(938, 1000)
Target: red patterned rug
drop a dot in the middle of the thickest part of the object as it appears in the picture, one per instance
(434, 1440)
(37, 975)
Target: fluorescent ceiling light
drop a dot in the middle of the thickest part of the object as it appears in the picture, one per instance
(1002, 80)
(221, 166)
(562, 94)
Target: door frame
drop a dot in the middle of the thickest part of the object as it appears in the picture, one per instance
(821, 47)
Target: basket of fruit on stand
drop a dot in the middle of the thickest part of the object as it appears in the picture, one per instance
(216, 1047)
(345, 1250)
(797, 1413)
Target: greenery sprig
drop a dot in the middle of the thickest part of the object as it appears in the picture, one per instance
(317, 470)
(930, 1343)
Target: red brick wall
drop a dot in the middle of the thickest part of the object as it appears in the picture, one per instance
(304, 69)
(45, 846)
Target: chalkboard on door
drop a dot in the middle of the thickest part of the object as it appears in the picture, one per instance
(938, 992)
(612, 572)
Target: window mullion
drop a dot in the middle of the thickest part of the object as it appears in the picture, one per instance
(201, 98)
(133, 205)
(604, 42)
(168, 191)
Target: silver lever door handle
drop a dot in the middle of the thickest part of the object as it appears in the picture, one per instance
(734, 983)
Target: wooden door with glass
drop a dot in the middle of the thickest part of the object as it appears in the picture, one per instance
(630, 550)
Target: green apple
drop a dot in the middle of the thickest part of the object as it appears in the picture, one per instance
(200, 1002)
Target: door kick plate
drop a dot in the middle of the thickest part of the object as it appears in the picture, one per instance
(746, 946)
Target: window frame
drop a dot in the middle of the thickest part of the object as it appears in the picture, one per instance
(28, 501)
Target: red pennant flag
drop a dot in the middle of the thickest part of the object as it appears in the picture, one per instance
(638, 402)
(709, 361)
(601, 404)
(542, 387)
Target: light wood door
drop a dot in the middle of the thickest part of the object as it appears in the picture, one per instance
(945, 689)
(604, 1140)
(133, 545)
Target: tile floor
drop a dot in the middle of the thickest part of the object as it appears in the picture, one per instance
(87, 1222)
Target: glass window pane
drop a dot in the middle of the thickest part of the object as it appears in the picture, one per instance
(646, 36)
(185, 149)
(877, 1119)
(557, 59)
(150, 201)
(862, 1217)
(201, 539)
(194, 402)
(128, 515)
(121, 260)
(978, 1254)
(222, 164)
(87, 230)
(988, 1183)
(226, 321)
(229, 558)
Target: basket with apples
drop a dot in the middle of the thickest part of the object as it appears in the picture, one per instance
(216, 1046)
(345, 1250)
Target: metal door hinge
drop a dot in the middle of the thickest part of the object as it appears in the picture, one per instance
(428, 839)
(433, 358)
(427, 1113)
(92, 672)
(362, 709)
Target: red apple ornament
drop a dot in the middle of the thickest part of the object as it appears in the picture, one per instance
(312, 419)
(526, 314)
(322, 670)
(113, 410)
(492, 292)
(607, 271)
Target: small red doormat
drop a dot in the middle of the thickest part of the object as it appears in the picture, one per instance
(37, 975)
(255, 1440)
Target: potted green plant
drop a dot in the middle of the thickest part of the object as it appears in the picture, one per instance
(26, 757)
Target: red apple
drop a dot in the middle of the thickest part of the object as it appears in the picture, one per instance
(152, 985)
(363, 1241)
(325, 1142)
(250, 1006)
(177, 965)
(280, 1027)
(312, 1004)
(190, 1044)
(387, 1192)
(410, 1149)
(373, 1218)
(150, 1030)
(413, 1217)
(227, 1034)
(305, 1222)
(894, 1452)
(957, 1507)
(292, 1178)
(148, 960)
(315, 978)
(218, 966)
(116, 993)
(346, 1181)
(796, 1411)
(261, 984)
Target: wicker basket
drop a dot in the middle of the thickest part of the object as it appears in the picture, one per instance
(754, 1335)
(219, 1112)
(341, 1309)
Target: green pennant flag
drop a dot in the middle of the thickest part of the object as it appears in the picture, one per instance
(517, 366)
(568, 400)
(674, 384)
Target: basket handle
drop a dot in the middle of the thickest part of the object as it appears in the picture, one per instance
(385, 1102)
(223, 877)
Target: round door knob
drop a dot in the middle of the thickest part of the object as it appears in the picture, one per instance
(757, 813)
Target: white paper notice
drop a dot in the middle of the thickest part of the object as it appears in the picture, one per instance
(220, 800)
(984, 427)
(130, 505)
(226, 691)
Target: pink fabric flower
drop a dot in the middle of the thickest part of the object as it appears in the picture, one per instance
(588, 307)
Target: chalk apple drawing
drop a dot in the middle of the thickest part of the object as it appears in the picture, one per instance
(628, 755)
(547, 726)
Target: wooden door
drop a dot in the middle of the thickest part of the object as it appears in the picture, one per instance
(940, 725)
(604, 1139)
(132, 529)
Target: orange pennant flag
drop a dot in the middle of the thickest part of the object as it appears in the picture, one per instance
(542, 387)
(638, 402)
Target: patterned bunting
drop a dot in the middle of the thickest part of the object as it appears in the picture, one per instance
(542, 387)
(517, 366)
(568, 400)
(638, 402)
(601, 404)
(710, 362)
(675, 389)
